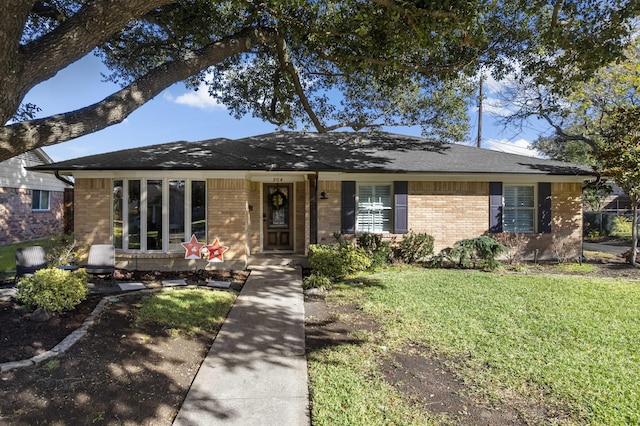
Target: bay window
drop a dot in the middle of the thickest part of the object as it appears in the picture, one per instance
(154, 215)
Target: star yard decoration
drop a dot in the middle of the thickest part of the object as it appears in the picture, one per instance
(216, 251)
(192, 247)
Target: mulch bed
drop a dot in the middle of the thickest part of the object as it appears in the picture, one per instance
(118, 373)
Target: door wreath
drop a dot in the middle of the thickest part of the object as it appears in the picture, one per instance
(278, 200)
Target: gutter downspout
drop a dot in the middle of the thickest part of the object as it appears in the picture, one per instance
(63, 179)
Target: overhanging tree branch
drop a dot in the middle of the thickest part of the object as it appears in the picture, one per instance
(561, 132)
(28, 135)
(76, 36)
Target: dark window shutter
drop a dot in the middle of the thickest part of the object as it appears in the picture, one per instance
(348, 207)
(495, 207)
(401, 207)
(544, 207)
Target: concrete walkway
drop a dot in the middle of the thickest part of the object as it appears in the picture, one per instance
(256, 370)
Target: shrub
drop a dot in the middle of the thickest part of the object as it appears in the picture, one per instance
(341, 239)
(444, 259)
(60, 250)
(53, 289)
(414, 247)
(335, 262)
(378, 251)
(477, 252)
(325, 260)
(515, 242)
(316, 281)
(621, 227)
(355, 259)
(565, 248)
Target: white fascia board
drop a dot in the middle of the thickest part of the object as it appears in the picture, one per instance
(277, 177)
(462, 177)
(155, 174)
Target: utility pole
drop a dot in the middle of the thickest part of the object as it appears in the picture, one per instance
(480, 95)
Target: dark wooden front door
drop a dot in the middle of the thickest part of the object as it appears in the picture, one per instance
(278, 231)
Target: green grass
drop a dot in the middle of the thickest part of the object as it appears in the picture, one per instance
(187, 312)
(569, 342)
(8, 255)
(580, 268)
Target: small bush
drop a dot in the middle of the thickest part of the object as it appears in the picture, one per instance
(53, 289)
(414, 247)
(336, 262)
(316, 281)
(515, 242)
(565, 248)
(341, 239)
(621, 227)
(378, 251)
(444, 259)
(325, 260)
(355, 259)
(480, 252)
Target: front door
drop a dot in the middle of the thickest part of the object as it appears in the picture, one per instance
(277, 208)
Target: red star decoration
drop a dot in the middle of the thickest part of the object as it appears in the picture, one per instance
(192, 248)
(216, 251)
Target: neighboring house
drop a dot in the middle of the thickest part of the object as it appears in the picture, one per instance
(282, 192)
(31, 203)
(617, 202)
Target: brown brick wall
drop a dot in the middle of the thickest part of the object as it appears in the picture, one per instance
(92, 211)
(449, 211)
(452, 211)
(301, 216)
(329, 216)
(255, 218)
(565, 238)
(18, 223)
(228, 217)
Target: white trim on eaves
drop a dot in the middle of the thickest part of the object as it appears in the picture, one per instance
(515, 178)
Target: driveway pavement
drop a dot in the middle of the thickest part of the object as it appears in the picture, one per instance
(606, 248)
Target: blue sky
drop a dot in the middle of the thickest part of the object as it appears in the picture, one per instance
(179, 114)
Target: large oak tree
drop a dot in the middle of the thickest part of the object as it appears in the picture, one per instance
(330, 64)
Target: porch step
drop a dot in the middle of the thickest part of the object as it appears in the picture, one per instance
(276, 259)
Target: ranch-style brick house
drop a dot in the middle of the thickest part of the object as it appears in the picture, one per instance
(283, 191)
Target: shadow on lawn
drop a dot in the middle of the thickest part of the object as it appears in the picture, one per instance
(118, 372)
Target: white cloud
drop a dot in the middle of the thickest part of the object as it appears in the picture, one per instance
(520, 147)
(197, 98)
(496, 107)
(493, 85)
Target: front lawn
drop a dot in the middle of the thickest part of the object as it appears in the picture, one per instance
(569, 344)
(8, 255)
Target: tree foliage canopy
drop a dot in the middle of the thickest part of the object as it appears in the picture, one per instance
(619, 157)
(326, 64)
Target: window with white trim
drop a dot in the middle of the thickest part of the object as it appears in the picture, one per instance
(40, 200)
(374, 208)
(519, 213)
(152, 215)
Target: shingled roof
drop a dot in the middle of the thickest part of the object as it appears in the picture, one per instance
(293, 151)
